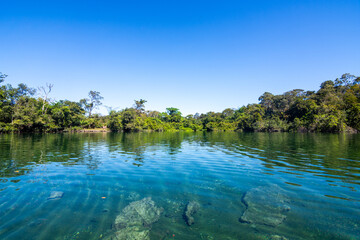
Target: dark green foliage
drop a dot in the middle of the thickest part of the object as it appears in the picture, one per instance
(20, 111)
(335, 107)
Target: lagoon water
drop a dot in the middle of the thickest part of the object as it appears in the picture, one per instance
(99, 174)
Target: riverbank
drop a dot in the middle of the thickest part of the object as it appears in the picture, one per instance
(93, 130)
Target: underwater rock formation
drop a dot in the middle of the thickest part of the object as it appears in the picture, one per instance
(265, 205)
(191, 208)
(135, 220)
(277, 237)
(133, 196)
(55, 195)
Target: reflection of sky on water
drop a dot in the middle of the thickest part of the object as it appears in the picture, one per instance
(319, 172)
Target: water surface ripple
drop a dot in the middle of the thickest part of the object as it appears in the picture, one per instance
(99, 174)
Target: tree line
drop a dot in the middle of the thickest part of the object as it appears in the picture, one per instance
(335, 107)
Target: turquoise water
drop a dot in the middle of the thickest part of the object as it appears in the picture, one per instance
(99, 174)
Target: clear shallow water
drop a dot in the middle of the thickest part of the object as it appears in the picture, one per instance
(101, 173)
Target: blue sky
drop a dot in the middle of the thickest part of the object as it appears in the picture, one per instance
(198, 56)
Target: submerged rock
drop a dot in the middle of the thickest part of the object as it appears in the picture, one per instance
(191, 208)
(37, 222)
(277, 237)
(265, 205)
(133, 196)
(138, 213)
(135, 220)
(55, 195)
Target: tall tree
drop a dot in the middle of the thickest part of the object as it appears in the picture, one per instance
(174, 114)
(2, 77)
(173, 111)
(91, 103)
(140, 105)
(44, 92)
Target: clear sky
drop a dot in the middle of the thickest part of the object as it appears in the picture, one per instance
(194, 55)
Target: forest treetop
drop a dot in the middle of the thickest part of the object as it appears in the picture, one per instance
(335, 107)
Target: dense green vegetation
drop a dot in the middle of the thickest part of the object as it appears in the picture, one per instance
(335, 107)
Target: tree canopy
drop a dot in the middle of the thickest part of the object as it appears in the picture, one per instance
(91, 103)
(335, 107)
